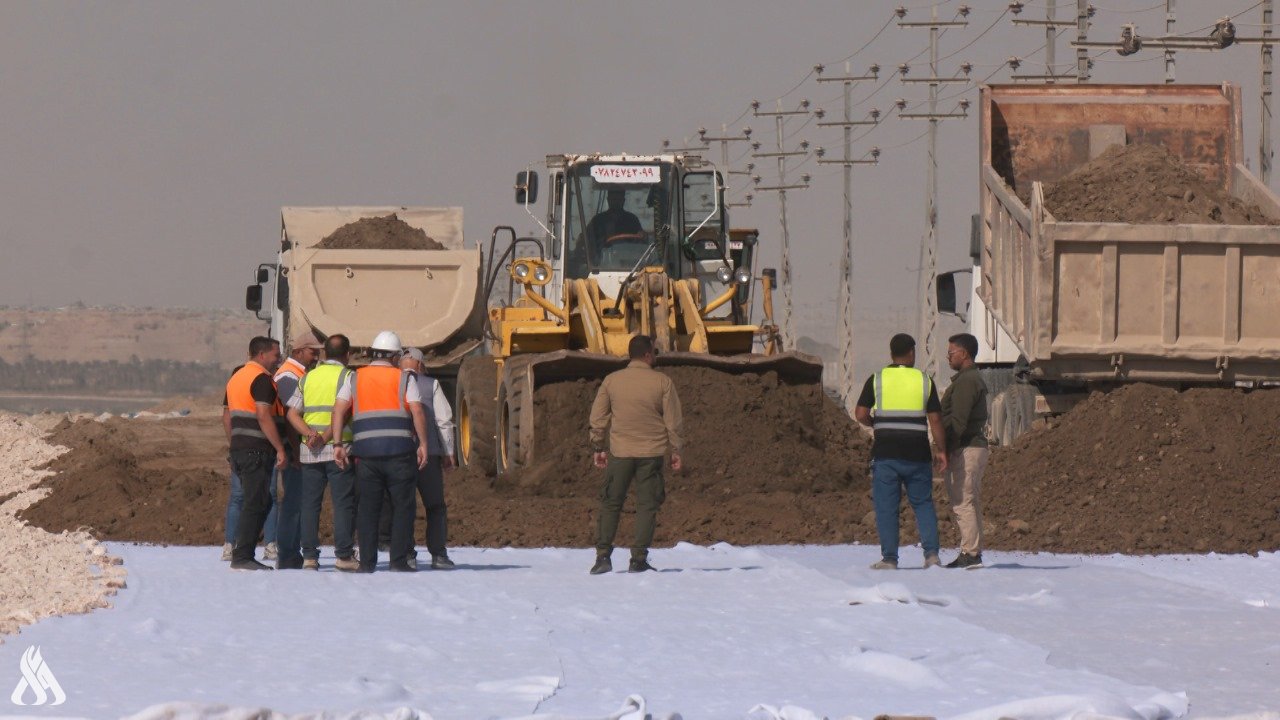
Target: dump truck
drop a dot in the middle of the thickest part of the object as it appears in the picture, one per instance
(430, 297)
(1061, 309)
(630, 244)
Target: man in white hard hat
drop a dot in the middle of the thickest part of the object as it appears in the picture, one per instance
(439, 458)
(387, 420)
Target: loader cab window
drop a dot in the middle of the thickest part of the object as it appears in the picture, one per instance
(614, 212)
(703, 216)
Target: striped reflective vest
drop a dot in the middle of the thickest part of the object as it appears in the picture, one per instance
(381, 425)
(243, 409)
(902, 393)
(427, 389)
(319, 390)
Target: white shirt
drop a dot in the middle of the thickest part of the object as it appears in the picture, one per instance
(442, 411)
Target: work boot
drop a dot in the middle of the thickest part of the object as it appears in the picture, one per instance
(347, 564)
(226, 552)
(403, 566)
(603, 565)
(249, 564)
(441, 562)
(640, 565)
(310, 564)
(965, 561)
(932, 560)
(885, 564)
(271, 552)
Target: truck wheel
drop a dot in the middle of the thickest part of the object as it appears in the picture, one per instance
(477, 387)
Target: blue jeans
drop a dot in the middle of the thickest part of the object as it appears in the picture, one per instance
(235, 502)
(888, 477)
(289, 516)
(342, 489)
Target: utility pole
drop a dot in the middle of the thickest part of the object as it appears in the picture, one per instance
(1082, 36)
(1264, 138)
(724, 139)
(1169, 19)
(1052, 26)
(928, 304)
(688, 149)
(847, 382)
(779, 118)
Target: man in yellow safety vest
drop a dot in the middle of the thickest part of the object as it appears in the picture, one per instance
(901, 404)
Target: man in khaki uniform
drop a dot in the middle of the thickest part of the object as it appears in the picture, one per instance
(640, 410)
(964, 418)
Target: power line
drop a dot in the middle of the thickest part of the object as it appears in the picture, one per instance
(976, 39)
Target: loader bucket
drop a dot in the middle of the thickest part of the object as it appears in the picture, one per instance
(523, 374)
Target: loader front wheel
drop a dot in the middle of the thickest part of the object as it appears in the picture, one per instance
(476, 406)
(514, 424)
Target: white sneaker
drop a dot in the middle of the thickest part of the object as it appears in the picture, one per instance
(271, 552)
(226, 552)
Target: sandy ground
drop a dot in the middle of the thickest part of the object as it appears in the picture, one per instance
(43, 573)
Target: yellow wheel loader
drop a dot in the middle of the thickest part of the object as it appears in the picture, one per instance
(630, 245)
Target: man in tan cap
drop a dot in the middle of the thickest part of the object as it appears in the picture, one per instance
(304, 350)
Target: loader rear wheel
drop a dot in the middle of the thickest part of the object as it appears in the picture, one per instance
(477, 387)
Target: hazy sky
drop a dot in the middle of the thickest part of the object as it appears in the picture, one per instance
(147, 146)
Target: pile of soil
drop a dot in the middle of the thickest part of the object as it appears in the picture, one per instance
(1143, 469)
(1145, 184)
(379, 233)
(765, 462)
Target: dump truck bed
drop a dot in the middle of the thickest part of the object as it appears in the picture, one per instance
(1097, 301)
(431, 298)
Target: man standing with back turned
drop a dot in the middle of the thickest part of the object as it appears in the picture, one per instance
(640, 410)
(386, 418)
(906, 411)
(964, 417)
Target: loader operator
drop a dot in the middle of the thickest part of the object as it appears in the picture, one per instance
(256, 447)
(386, 417)
(906, 411)
(303, 352)
(311, 414)
(614, 222)
(640, 410)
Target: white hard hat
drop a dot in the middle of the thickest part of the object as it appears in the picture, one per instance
(386, 341)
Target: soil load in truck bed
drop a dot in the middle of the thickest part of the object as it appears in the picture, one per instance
(379, 233)
(1145, 184)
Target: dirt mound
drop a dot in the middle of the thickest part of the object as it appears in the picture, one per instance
(149, 481)
(765, 463)
(743, 433)
(1145, 184)
(379, 233)
(1143, 469)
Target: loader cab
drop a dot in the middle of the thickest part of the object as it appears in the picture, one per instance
(610, 215)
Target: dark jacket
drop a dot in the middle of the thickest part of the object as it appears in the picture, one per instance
(964, 410)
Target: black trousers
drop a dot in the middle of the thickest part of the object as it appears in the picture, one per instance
(253, 467)
(431, 490)
(396, 477)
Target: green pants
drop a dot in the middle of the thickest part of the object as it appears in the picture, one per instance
(650, 492)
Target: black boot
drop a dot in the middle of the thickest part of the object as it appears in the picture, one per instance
(603, 565)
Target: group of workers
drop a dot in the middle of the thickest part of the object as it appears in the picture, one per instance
(290, 422)
(281, 421)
